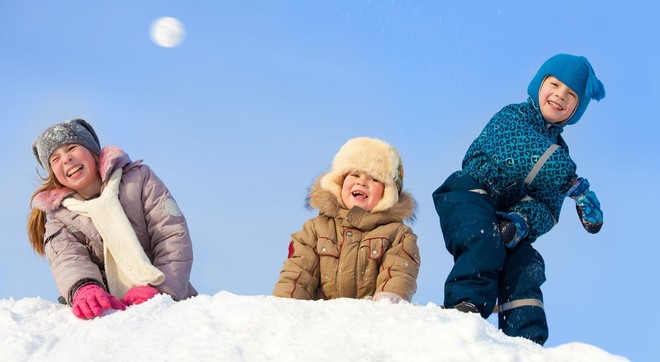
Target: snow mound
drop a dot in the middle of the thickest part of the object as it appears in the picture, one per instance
(228, 327)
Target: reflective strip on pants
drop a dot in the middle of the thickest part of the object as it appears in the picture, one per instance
(531, 302)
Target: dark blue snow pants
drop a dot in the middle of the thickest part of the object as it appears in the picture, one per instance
(484, 270)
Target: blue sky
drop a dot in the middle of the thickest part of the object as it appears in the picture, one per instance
(241, 117)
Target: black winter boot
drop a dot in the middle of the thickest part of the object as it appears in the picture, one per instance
(466, 307)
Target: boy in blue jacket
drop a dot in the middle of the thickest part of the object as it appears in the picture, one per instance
(510, 190)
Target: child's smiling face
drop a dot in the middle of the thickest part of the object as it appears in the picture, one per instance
(556, 100)
(74, 166)
(360, 189)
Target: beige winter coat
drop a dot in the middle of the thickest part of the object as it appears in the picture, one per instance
(351, 253)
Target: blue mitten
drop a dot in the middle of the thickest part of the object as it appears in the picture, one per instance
(513, 228)
(587, 205)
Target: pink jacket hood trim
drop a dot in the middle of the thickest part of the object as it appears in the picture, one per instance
(110, 158)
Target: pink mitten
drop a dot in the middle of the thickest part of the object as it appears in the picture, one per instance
(137, 295)
(91, 300)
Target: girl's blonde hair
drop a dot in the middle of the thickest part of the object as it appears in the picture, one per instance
(36, 225)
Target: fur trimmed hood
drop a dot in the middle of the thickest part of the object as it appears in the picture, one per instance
(110, 158)
(330, 205)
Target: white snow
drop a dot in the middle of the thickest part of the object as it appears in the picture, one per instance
(229, 327)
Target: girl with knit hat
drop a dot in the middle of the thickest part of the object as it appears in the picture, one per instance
(515, 177)
(111, 231)
(358, 246)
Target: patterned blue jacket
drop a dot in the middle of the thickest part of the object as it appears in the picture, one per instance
(505, 153)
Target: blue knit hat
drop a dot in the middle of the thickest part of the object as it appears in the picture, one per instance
(64, 133)
(575, 72)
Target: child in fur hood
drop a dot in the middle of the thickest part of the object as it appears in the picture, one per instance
(358, 246)
(111, 231)
(515, 177)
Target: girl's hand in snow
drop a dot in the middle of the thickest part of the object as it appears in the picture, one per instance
(91, 301)
(137, 295)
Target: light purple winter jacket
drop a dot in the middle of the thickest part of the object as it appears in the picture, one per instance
(74, 247)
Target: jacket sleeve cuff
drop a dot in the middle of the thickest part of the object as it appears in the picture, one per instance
(81, 283)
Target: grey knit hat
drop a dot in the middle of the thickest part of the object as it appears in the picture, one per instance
(60, 134)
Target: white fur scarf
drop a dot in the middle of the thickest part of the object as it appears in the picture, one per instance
(126, 264)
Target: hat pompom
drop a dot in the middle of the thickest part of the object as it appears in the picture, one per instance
(595, 88)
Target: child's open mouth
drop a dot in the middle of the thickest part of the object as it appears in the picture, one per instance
(74, 170)
(556, 106)
(359, 195)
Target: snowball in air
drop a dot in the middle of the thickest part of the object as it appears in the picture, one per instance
(167, 32)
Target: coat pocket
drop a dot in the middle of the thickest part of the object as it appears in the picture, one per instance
(327, 247)
(377, 247)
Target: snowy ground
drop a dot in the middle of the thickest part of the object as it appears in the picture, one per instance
(228, 327)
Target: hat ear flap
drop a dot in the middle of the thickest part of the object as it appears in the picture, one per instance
(399, 177)
(390, 197)
(331, 182)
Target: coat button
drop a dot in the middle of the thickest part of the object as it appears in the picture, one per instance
(349, 233)
(374, 252)
(324, 249)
